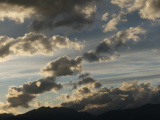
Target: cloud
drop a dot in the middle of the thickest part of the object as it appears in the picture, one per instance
(90, 56)
(14, 12)
(49, 14)
(105, 17)
(21, 96)
(107, 50)
(111, 25)
(148, 9)
(63, 66)
(84, 75)
(155, 50)
(84, 90)
(87, 80)
(132, 33)
(64, 96)
(90, 81)
(128, 95)
(37, 104)
(104, 47)
(34, 43)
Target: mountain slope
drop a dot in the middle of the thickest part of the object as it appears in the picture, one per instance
(146, 112)
(46, 113)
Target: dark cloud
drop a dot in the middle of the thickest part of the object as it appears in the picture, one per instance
(34, 43)
(133, 33)
(65, 97)
(84, 75)
(107, 50)
(50, 14)
(128, 95)
(74, 87)
(148, 9)
(17, 98)
(96, 84)
(104, 47)
(90, 56)
(90, 81)
(87, 80)
(41, 86)
(63, 66)
(84, 90)
(21, 96)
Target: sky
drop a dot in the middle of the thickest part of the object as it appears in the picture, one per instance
(89, 55)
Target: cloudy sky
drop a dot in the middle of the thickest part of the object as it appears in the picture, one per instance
(89, 55)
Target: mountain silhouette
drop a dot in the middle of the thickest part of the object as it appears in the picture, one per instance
(146, 112)
(4, 116)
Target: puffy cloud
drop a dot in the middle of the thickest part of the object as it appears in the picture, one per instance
(50, 14)
(96, 85)
(130, 34)
(21, 96)
(38, 104)
(87, 80)
(64, 96)
(74, 87)
(90, 56)
(84, 90)
(14, 12)
(111, 25)
(104, 47)
(105, 17)
(63, 66)
(84, 75)
(91, 82)
(148, 9)
(19, 100)
(107, 49)
(128, 95)
(34, 43)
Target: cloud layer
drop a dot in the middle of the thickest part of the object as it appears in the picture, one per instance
(128, 95)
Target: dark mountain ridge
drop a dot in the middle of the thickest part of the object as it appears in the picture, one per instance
(146, 112)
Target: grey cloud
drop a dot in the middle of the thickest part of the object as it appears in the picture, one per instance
(84, 75)
(84, 90)
(128, 95)
(34, 43)
(90, 56)
(65, 97)
(111, 25)
(63, 66)
(46, 84)
(21, 96)
(17, 98)
(132, 33)
(50, 14)
(107, 50)
(104, 47)
(87, 80)
(90, 81)
(148, 9)
(96, 85)
(74, 87)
